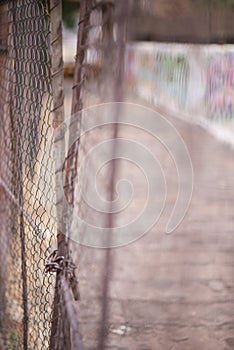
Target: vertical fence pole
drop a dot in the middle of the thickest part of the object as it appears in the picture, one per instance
(19, 173)
(77, 105)
(120, 16)
(59, 148)
(4, 239)
(66, 322)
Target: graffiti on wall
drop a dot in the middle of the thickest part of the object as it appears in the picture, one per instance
(160, 76)
(220, 87)
(172, 76)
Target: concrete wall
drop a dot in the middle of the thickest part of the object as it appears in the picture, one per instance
(193, 82)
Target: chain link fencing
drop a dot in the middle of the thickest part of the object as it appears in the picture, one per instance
(28, 224)
(38, 260)
(38, 283)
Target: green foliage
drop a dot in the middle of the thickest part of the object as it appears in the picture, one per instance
(70, 13)
(12, 341)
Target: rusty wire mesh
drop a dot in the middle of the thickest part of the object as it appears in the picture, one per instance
(38, 289)
(28, 223)
(37, 308)
(27, 217)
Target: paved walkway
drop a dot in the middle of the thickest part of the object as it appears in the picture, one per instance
(172, 292)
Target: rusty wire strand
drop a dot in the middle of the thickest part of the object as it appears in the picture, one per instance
(27, 216)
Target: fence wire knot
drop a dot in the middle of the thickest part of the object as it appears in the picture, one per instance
(54, 262)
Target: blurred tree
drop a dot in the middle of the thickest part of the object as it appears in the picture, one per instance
(70, 12)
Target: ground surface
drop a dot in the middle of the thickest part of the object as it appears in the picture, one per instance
(171, 292)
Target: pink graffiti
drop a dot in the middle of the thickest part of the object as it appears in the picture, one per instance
(220, 86)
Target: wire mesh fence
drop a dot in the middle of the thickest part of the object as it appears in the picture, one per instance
(44, 185)
(38, 282)
(27, 222)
